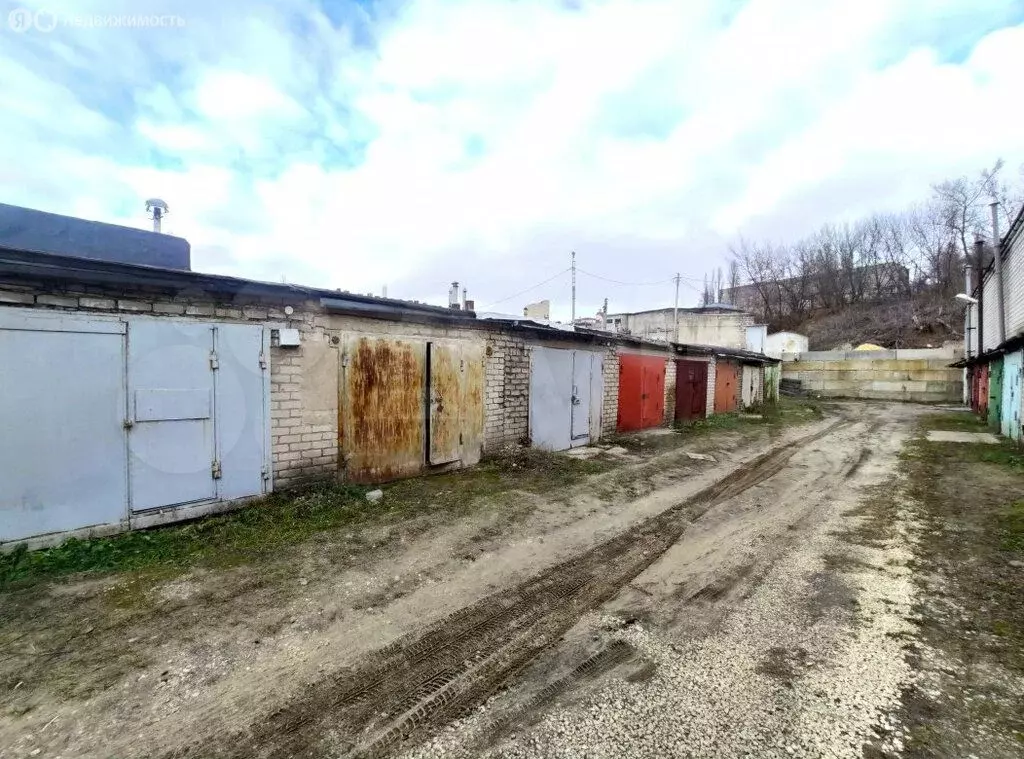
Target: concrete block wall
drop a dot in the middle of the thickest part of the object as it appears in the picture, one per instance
(924, 380)
(506, 391)
(610, 408)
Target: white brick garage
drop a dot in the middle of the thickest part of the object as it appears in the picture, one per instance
(124, 422)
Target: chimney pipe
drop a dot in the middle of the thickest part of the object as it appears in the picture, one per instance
(998, 252)
(453, 297)
(979, 252)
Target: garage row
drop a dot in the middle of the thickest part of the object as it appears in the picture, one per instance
(135, 396)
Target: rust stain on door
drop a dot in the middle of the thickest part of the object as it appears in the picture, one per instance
(456, 402)
(446, 371)
(727, 387)
(382, 408)
(472, 403)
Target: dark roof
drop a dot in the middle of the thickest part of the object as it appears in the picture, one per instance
(1009, 345)
(745, 356)
(29, 229)
(34, 265)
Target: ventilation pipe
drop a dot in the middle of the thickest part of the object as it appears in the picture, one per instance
(997, 250)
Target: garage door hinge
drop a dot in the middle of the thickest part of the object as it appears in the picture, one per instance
(265, 471)
(215, 469)
(263, 360)
(214, 361)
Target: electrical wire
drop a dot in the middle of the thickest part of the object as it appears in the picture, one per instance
(628, 284)
(636, 284)
(528, 289)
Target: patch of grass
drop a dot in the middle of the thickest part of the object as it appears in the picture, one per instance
(957, 421)
(215, 541)
(968, 500)
(515, 468)
(285, 519)
(1010, 523)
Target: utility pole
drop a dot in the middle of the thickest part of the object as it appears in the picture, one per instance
(675, 314)
(572, 311)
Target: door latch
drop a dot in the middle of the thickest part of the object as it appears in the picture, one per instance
(215, 469)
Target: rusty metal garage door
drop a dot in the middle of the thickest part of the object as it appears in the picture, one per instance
(727, 386)
(456, 402)
(641, 391)
(382, 408)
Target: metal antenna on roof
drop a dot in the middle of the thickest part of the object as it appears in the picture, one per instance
(572, 308)
(156, 209)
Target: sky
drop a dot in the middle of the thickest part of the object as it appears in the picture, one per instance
(363, 145)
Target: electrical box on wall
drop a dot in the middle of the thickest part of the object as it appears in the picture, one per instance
(288, 338)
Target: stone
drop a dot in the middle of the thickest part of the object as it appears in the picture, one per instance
(700, 456)
(949, 436)
(374, 495)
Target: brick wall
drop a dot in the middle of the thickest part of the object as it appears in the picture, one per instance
(711, 386)
(610, 410)
(506, 391)
(299, 450)
(302, 449)
(670, 391)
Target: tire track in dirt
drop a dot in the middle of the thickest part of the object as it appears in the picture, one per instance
(409, 688)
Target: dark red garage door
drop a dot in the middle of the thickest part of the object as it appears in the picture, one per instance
(691, 390)
(641, 391)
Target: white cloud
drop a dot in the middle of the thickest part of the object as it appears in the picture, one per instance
(483, 139)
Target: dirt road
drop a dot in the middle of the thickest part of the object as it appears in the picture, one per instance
(723, 613)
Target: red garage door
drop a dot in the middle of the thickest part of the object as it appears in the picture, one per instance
(641, 392)
(691, 390)
(727, 387)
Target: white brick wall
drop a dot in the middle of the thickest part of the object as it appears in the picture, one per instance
(712, 363)
(610, 410)
(670, 391)
(506, 391)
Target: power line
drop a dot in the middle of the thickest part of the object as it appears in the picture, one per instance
(635, 284)
(528, 289)
(628, 284)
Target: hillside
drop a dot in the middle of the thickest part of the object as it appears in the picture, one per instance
(918, 322)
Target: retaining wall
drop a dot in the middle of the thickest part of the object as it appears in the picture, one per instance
(918, 375)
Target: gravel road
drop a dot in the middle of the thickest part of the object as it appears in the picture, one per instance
(761, 632)
(677, 606)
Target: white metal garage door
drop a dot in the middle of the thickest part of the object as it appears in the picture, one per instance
(115, 418)
(566, 390)
(198, 419)
(62, 449)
